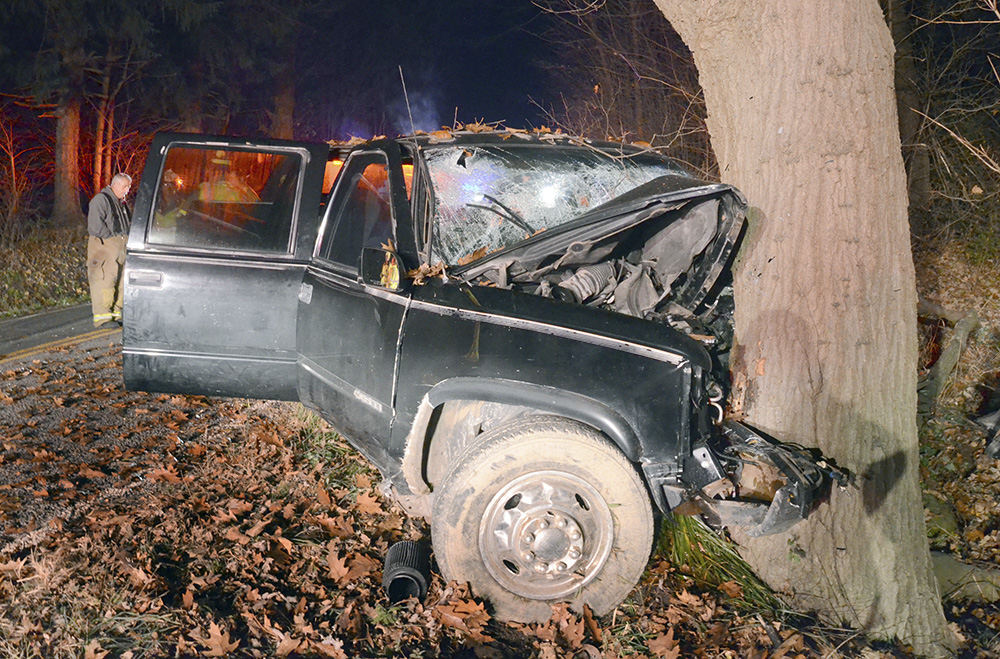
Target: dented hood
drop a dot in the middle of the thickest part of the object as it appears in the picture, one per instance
(688, 230)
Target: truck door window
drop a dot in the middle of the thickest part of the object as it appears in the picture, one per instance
(227, 199)
(363, 217)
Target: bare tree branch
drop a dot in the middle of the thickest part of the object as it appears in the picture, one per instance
(979, 152)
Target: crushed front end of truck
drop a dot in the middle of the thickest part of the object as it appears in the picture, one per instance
(632, 233)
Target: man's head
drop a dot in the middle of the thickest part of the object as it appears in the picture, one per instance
(120, 185)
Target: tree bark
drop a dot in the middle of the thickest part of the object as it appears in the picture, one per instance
(66, 209)
(802, 119)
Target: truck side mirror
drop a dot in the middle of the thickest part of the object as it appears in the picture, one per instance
(382, 268)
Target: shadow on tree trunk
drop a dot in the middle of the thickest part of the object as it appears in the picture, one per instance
(880, 478)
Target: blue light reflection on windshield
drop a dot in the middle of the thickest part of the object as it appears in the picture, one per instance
(545, 186)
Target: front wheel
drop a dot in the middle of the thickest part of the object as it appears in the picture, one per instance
(543, 510)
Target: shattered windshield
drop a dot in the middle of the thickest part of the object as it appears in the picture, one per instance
(488, 197)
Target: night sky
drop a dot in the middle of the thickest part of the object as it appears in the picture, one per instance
(487, 59)
(498, 65)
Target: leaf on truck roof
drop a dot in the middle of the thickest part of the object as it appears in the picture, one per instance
(425, 272)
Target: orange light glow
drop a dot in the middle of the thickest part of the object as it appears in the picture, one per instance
(408, 178)
(334, 166)
(330, 173)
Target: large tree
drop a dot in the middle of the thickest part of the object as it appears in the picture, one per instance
(802, 119)
(60, 76)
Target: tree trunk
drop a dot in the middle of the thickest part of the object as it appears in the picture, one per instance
(10, 206)
(803, 120)
(916, 156)
(109, 140)
(639, 127)
(66, 208)
(283, 124)
(192, 116)
(99, 125)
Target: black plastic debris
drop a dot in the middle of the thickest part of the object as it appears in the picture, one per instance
(993, 447)
(991, 422)
(407, 570)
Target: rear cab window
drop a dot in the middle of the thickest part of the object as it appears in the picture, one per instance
(226, 199)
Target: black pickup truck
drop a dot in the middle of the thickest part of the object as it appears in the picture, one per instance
(526, 333)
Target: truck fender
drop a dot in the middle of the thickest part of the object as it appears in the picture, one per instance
(544, 399)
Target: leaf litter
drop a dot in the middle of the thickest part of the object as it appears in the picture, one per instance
(961, 483)
(160, 525)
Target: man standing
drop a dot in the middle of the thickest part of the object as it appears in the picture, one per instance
(107, 226)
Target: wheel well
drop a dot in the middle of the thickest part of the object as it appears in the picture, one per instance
(456, 425)
(455, 412)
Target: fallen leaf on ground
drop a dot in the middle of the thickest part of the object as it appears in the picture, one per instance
(368, 505)
(333, 648)
(361, 566)
(217, 642)
(466, 615)
(337, 567)
(93, 650)
(731, 588)
(664, 645)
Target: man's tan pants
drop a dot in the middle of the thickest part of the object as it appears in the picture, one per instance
(105, 262)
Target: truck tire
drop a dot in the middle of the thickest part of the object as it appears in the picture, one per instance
(543, 510)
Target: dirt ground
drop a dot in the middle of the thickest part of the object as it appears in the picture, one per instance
(147, 525)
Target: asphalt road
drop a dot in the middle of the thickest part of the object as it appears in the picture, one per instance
(27, 336)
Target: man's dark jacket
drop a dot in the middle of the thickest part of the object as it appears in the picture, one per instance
(107, 216)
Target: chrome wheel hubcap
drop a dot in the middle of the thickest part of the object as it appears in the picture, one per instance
(546, 534)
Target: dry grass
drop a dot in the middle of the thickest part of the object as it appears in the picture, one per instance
(45, 269)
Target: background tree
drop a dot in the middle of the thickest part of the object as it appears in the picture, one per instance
(802, 119)
(21, 167)
(956, 59)
(910, 103)
(60, 76)
(127, 35)
(117, 71)
(624, 73)
(81, 55)
(237, 67)
(197, 83)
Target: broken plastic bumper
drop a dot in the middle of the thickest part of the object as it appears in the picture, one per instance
(807, 480)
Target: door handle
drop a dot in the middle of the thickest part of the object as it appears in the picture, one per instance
(145, 278)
